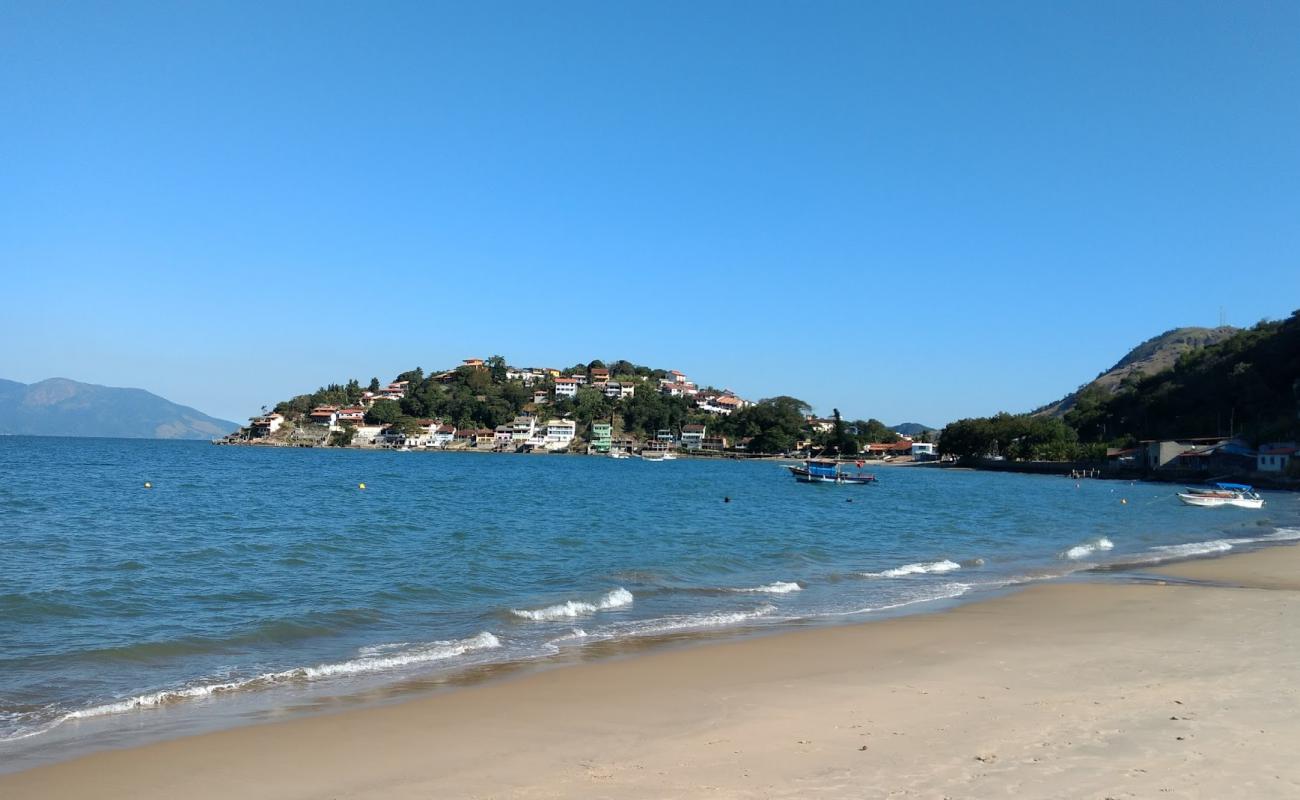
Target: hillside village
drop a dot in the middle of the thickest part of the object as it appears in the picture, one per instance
(620, 408)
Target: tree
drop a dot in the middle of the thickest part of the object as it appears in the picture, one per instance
(343, 436)
(374, 384)
(383, 412)
(840, 439)
(774, 424)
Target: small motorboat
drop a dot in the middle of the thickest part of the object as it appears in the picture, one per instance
(828, 472)
(1223, 494)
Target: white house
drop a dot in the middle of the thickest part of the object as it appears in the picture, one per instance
(693, 436)
(503, 436)
(394, 391)
(672, 388)
(265, 425)
(355, 415)
(325, 415)
(443, 435)
(923, 451)
(566, 387)
(559, 433)
(1275, 457)
(721, 405)
(523, 428)
(366, 434)
(541, 397)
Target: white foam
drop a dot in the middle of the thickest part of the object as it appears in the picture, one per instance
(696, 621)
(433, 651)
(921, 568)
(1194, 548)
(576, 633)
(576, 608)
(1088, 548)
(779, 587)
(946, 592)
(436, 651)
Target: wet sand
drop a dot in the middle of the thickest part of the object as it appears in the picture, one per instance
(1161, 688)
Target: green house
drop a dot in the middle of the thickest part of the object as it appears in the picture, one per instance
(601, 433)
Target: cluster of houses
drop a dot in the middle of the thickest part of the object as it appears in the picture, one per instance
(1211, 455)
(528, 431)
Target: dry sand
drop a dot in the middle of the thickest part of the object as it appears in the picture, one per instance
(1063, 690)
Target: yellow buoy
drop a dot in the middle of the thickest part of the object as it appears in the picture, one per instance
(148, 485)
(361, 486)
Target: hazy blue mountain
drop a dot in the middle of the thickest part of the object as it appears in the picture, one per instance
(911, 428)
(62, 407)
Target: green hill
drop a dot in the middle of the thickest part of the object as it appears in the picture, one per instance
(1152, 357)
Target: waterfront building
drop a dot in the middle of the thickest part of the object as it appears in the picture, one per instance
(601, 436)
(1275, 457)
(693, 436)
(560, 433)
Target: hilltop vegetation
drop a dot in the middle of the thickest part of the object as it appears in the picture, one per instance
(1247, 384)
(486, 397)
(1153, 356)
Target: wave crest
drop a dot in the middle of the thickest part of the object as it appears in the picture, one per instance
(575, 608)
(919, 568)
(778, 587)
(1088, 548)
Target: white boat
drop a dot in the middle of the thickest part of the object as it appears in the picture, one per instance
(656, 455)
(1238, 495)
(619, 454)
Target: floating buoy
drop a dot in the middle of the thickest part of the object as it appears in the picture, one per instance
(361, 486)
(148, 485)
(1123, 501)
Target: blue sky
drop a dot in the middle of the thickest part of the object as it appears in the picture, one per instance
(909, 211)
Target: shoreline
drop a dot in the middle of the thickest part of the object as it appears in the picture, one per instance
(791, 703)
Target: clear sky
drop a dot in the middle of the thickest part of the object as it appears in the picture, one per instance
(911, 211)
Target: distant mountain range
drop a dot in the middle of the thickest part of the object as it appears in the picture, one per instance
(1153, 356)
(62, 407)
(911, 429)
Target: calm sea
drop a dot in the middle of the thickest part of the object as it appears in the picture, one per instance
(248, 583)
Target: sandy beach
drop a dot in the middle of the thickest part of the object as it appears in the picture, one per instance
(1182, 685)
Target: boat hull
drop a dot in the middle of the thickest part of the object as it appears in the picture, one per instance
(802, 475)
(1213, 501)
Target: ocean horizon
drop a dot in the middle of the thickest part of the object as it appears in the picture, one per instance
(247, 583)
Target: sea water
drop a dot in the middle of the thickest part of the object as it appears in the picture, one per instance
(252, 582)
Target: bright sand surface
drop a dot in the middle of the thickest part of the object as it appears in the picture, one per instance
(1071, 690)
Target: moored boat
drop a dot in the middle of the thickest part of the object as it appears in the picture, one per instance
(1238, 495)
(828, 472)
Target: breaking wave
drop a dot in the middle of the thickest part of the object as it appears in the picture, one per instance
(1088, 548)
(779, 587)
(375, 661)
(920, 568)
(575, 608)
